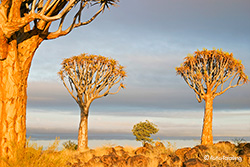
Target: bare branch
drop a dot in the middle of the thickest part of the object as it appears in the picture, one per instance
(70, 91)
(60, 32)
(239, 83)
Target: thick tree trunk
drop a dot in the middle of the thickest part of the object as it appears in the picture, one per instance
(14, 70)
(83, 130)
(207, 134)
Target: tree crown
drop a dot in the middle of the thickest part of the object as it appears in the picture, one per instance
(91, 76)
(143, 130)
(207, 70)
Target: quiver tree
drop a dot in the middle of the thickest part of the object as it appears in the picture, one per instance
(23, 26)
(143, 131)
(88, 77)
(211, 73)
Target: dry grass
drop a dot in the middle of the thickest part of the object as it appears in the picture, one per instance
(35, 156)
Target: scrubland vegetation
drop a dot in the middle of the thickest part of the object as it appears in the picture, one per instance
(155, 155)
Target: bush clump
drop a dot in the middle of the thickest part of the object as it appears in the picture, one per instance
(69, 145)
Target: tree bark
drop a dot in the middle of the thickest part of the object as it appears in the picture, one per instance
(207, 135)
(14, 70)
(83, 130)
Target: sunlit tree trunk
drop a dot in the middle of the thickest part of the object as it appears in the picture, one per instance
(14, 70)
(207, 136)
(83, 129)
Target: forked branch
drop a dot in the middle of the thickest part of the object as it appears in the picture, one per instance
(44, 13)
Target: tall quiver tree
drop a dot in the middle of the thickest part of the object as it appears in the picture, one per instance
(211, 73)
(88, 77)
(23, 27)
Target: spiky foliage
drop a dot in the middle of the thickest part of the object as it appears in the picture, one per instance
(143, 131)
(212, 72)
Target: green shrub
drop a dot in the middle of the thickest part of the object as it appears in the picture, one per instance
(70, 145)
(143, 131)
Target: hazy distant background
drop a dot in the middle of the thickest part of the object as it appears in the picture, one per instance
(150, 38)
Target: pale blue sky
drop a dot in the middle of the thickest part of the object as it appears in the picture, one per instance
(150, 39)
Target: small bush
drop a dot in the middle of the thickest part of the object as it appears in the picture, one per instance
(143, 130)
(69, 145)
